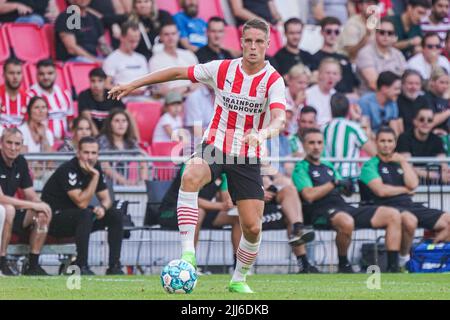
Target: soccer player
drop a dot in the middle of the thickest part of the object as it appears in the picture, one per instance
(250, 107)
(320, 185)
(393, 181)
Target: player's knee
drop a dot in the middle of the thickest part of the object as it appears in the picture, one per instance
(409, 222)
(10, 213)
(191, 180)
(345, 224)
(393, 216)
(252, 231)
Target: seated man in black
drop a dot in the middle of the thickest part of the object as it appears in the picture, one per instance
(319, 185)
(422, 142)
(24, 217)
(93, 102)
(392, 181)
(69, 191)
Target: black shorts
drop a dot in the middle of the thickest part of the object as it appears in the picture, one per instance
(18, 228)
(321, 216)
(426, 217)
(65, 222)
(243, 174)
(168, 219)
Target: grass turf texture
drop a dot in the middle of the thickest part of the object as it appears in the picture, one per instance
(269, 287)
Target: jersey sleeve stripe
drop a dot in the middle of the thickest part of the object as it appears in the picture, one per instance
(277, 105)
(214, 126)
(255, 84)
(191, 75)
(273, 77)
(222, 74)
(238, 80)
(229, 134)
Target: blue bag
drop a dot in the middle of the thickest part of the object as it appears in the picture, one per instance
(427, 257)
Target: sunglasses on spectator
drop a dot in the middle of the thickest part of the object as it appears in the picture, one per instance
(423, 119)
(331, 31)
(433, 46)
(385, 32)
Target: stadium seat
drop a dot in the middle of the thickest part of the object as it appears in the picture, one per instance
(169, 5)
(49, 32)
(165, 170)
(4, 47)
(78, 75)
(61, 4)
(231, 39)
(209, 8)
(1, 74)
(276, 42)
(27, 41)
(30, 76)
(146, 115)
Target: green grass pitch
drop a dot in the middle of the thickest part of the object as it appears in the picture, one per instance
(267, 287)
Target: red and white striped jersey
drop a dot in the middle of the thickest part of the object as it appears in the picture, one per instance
(242, 102)
(12, 112)
(60, 107)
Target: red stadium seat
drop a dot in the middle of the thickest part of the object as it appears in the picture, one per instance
(4, 47)
(30, 76)
(146, 115)
(168, 5)
(231, 39)
(61, 4)
(276, 42)
(28, 41)
(49, 33)
(165, 170)
(209, 8)
(1, 74)
(78, 74)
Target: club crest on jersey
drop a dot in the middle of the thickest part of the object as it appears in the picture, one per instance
(72, 179)
(18, 175)
(384, 170)
(330, 172)
(315, 174)
(261, 88)
(400, 171)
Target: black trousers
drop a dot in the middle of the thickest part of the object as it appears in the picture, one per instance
(79, 223)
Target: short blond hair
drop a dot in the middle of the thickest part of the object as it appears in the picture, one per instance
(330, 61)
(299, 70)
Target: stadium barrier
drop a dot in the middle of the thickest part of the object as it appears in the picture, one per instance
(152, 247)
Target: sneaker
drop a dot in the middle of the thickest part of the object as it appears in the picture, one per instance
(115, 271)
(86, 271)
(7, 271)
(239, 287)
(346, 269)
(35, 271)
(301, 236)
(189, 257)
(309, 269)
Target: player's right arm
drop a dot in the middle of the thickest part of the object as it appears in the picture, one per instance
(164, 75)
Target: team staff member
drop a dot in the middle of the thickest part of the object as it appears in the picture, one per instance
(393, 180)
(319, 185)
(69, 191)
(29, 216)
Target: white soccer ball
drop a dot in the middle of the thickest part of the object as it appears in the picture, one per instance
(178, 276)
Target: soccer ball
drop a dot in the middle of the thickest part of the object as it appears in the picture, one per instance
(178, 276)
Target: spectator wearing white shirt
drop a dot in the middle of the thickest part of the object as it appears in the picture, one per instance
(168, 126)
(125, 65)
(298, 79)
(36, 135)
(319, 95)
(172, 56)
(430, 57)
